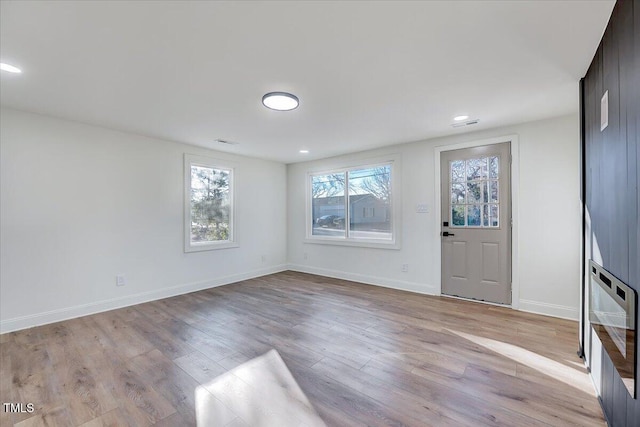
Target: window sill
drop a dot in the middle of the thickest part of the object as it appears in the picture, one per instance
(210, 246)
(393, 245)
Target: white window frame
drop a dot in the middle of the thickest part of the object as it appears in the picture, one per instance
(207, 162)
(396, 213)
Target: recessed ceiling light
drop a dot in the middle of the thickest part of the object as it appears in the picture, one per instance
(280, 101)
(460, 118)
(9, 68)
(304, 151)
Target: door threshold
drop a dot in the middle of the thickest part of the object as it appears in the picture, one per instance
(477, 300)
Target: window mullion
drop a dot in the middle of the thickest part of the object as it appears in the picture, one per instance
(347, 219)
(466, 194)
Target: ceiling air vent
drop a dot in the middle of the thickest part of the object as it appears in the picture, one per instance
(224, 141)
(466, 123)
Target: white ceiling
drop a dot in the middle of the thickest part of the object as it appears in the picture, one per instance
(368, 74)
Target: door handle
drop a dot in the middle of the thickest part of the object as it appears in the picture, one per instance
(446, 233)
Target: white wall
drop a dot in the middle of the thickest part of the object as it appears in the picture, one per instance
(548, 222)
(80, 204)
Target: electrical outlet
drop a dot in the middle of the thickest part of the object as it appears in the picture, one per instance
(121, 280)
(306, 256)
(405, 268)
(264, 258)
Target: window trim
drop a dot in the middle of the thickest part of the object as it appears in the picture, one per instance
(208, 162)
(395, 211)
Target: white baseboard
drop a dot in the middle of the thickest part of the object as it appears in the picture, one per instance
(420, 288)
(24, 322)
(554, 310)
(546, 309)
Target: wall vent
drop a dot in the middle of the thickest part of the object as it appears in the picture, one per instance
(224, 141)
(465, 123)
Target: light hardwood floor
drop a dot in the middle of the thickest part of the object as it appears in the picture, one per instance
(363, 355)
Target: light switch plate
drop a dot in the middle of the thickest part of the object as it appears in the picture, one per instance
(422, 208)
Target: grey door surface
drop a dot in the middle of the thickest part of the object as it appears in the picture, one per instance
(476, 222)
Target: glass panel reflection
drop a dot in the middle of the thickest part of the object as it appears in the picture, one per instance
(457, 193)
(475, 183)
(494, 215)
(369, 203)
(457, 171)
(474, 192)
(473, 215)
(210, 204)
(485, 215)
(457, 215)
(612, 314)
(494, 169)
(493, 191)
(476, 169)
(327, 204)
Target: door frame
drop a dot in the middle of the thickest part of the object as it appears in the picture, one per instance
(515, 229)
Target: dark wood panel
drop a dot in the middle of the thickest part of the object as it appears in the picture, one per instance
(629, 73)
(635, 113)
(612, 180)
(628, 117)
(591, 166)
(615, 177)
(620, 399)
(613, 173)
(607, 385)
(597, 199)
(363, 355)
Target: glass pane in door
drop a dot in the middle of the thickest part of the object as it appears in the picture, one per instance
(474, 200)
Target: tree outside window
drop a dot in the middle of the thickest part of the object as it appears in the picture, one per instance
(208, 204)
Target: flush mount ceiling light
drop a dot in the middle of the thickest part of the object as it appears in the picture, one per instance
(460, 118)
(280, 101)
(9, 68)
(304, 151)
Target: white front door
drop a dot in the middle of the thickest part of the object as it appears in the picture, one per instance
(476, 222)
